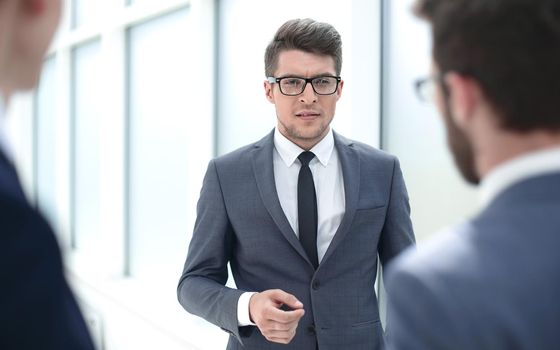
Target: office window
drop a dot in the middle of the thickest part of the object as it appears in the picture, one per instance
(169, 142)
(85, 12)
(87, 98)
(122, 128)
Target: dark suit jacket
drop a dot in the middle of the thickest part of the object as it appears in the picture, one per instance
(492, 284)
(37, 308)
(240, 221)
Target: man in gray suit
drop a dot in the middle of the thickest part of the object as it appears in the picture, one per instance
(492, 283)
(301, 216)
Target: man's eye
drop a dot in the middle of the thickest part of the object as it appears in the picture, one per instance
(291, 82)
(322, 81)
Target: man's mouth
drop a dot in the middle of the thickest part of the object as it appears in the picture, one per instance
(307, 114)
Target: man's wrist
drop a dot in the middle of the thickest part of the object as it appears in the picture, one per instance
(243, 315)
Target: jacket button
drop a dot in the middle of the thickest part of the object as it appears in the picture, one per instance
(311, 329)
(315, 285)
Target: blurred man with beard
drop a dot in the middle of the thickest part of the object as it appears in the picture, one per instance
(492, 283)
(37, 307)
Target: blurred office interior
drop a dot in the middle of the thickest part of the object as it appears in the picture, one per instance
(137, 96)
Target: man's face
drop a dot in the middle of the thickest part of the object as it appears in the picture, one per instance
(457, 141)
(304, 119)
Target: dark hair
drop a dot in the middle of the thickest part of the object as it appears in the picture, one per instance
(306, 35)
(511, 47)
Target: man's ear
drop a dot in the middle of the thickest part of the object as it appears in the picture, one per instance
(464, 96)
(268, 91)
(339, 90)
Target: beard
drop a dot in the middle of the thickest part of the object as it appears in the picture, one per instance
(461, 148)
(295, 133)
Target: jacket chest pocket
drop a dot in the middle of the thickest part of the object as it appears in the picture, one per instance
(366, 228)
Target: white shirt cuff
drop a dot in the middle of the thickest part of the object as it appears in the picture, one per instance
(243, 317)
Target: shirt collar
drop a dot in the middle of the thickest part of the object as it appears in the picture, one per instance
(289, 151)
(520, 168)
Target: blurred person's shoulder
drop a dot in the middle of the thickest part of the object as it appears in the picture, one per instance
(448, 256)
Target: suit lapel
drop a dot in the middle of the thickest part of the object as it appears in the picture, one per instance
(263, 170)
(350, 163)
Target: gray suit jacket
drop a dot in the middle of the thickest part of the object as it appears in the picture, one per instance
(240, 221)
(492, 284)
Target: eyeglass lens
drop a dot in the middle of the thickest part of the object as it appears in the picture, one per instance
(321, 85)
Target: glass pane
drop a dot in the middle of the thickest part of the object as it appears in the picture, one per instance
(166, 135)
(85, 11)
(86, 92)
(46, 129)
(413, 130)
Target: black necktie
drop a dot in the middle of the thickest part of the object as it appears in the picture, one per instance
(307, 208)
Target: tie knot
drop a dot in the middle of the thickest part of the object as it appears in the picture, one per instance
(306, 157)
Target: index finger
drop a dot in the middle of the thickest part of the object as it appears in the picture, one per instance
(282, 316)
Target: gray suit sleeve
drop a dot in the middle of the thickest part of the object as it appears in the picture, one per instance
(419, 318)
(397, 232)
(202, 289)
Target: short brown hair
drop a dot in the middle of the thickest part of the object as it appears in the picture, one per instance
(306, 35)
(511, 47)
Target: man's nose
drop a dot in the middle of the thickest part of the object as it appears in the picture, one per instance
(308, 95)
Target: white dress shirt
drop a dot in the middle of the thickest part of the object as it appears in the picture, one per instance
(329, 188)
(518, 169)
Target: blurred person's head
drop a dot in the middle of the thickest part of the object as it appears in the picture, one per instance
(497, 67)
(26, 30)
(302, 65)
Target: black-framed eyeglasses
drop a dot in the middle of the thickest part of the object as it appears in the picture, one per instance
(425, 88)
(293, 86)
